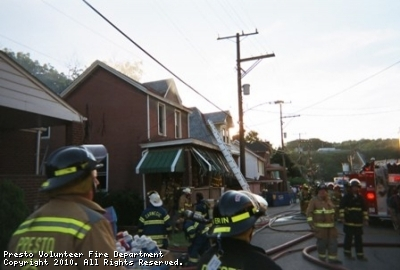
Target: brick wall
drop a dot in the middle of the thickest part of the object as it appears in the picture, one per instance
(18, 152)
(30, 184)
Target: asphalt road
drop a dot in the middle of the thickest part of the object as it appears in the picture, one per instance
(286, 224)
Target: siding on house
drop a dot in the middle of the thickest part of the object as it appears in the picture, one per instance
(122, 114)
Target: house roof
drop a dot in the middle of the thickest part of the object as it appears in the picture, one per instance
(198, 127)
(25, 102)
(163, 88)
(158, 92)
(259, 147)
(218, 118)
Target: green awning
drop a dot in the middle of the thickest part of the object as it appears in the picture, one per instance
(161, 161)
(212, 161)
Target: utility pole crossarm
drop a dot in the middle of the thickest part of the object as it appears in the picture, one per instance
(290, 116)
(239, 82)
(257, 57)
(240, 35)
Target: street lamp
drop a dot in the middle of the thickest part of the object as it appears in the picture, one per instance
(246, 91)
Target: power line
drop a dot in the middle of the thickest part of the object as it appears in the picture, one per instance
(149, 55)
(350, 87)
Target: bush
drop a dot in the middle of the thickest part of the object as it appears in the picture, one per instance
(127, 204)
(13, 210)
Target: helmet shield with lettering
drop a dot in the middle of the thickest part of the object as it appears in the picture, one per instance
(236, 212)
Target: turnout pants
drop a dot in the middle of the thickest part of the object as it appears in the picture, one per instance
(352, 232)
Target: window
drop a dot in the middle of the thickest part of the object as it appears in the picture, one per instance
(225, 136)
(102, 175)
(178, 125)
(45, 134)
(161, 120)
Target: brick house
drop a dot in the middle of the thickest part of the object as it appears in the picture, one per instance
(27, 108)
(146, 130)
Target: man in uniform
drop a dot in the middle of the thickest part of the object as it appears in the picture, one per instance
(305, 198)
(195, 228)
(202, 205)
(70, 223)
(335, 198)
(155, 221)
(234, 217)
(353, 213)
(185, 200)
(321, 218)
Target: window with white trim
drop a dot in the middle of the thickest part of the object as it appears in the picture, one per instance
(45, 134)
(178, 125)
(162, 130)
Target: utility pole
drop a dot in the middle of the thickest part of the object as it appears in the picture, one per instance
(239, 85)
(280, 102)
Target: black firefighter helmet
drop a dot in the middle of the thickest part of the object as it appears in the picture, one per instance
(235, 212)
(71, 163)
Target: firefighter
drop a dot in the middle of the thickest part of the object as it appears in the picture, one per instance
(353, 213)
(202, 205)
(185, 200)
(394, 207)
(321, 218)
(70, 222)
(305, 197)
(330, 189)
(155, 221)
(196, 234)
(234, 217)
(335, 198)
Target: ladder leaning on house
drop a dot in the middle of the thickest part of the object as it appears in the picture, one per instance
(228, 156)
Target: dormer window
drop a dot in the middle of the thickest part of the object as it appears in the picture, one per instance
(225, 136)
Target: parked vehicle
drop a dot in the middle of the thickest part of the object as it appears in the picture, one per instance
(377, 179)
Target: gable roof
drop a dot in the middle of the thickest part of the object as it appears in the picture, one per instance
(25, 102)
(163, 88)
(218, 118)
(98, 64)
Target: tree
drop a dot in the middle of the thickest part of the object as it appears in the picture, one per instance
(292, 169)
(251, 137)
(47, 74)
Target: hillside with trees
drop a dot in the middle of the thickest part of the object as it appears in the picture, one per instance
(324, 165)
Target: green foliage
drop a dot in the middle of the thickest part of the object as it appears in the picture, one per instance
(326, 165)
(292, 169)
(13, 210)
(252, 136)
(127, 204)
(296, 181)
(46, 73)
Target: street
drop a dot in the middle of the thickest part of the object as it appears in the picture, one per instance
(286, 224)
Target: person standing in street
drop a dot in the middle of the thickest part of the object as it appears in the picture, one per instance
(321, 218)
(70, 223)
(353, 214)
(394, 208)
(305, 198)
(336, 197)
(234, 217)
(155, 221)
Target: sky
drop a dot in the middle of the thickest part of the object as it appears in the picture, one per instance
(336, 68)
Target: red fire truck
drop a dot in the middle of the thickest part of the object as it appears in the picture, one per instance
(378, 178)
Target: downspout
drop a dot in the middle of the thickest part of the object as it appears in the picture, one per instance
(143, 178)
(39, 133)
(144, 190)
